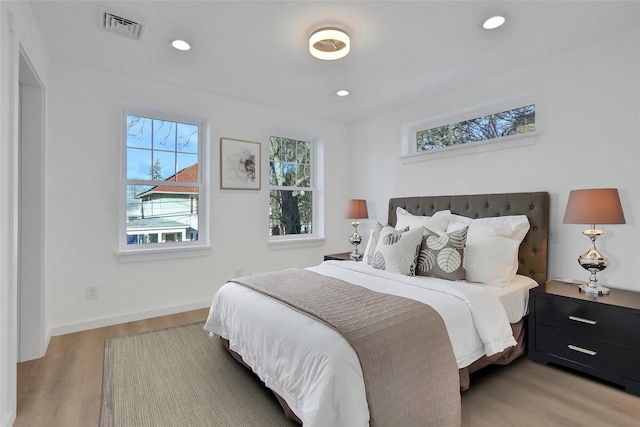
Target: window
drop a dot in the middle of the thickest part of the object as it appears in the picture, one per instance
(291, 187)
(164, 184)
(506, 123)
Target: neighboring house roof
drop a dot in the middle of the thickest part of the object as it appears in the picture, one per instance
(188, 174)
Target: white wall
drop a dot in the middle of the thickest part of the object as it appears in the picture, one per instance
(17, 31)
(83, 161)
(8, 281)
(8, 300)
(587, 118)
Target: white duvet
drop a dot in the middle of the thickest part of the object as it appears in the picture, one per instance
(317, 372)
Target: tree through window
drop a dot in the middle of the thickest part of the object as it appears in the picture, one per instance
(291, 187)
(505, 123)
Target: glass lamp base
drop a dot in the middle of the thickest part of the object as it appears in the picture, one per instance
(594, 290)
(594, 262)
(355, 256)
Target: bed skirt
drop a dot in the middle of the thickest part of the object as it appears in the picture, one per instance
(287, 411)
(503, 358)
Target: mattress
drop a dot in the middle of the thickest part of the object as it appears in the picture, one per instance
(514, 296)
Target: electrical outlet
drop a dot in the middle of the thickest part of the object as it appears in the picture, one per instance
(92, 292)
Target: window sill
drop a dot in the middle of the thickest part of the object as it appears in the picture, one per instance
(153, 254)
(295, 242)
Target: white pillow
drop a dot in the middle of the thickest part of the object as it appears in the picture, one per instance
(491, 253)
(397, 251)
(438, 222)
(455, 218)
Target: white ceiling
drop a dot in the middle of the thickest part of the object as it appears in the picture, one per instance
(257, 51)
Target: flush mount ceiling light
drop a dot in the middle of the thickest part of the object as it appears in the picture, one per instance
(329, 43)
(181, 45)
(493, 22)
(342, 92)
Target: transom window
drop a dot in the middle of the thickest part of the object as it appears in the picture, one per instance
(164, 182)
(291, 187)
(506, 123)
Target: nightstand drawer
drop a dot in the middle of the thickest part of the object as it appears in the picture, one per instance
(582, 318)
(588, 351)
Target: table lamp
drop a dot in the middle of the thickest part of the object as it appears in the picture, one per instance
(356, 209)
(594, 206)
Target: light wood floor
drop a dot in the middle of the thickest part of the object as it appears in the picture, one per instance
(63, 389)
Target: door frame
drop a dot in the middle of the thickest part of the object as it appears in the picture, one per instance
(32, 340)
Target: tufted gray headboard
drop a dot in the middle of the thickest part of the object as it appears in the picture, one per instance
(532, 257)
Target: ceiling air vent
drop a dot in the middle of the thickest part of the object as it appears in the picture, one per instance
(124, 27)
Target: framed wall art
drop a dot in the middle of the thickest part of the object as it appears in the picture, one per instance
(239, 164)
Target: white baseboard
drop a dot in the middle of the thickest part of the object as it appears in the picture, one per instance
(124, 318)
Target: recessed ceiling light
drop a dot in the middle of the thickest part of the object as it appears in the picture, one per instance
(493, 22)
(329, 43)
(181, 45)
(342, 92)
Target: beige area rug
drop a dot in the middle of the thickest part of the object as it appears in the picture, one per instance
(181, 377)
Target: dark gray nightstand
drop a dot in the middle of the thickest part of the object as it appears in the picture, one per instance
(344, 256)
(599, 336)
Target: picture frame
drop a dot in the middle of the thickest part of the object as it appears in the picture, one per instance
(240, 164)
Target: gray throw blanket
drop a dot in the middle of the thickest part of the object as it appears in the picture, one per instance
(410, 371)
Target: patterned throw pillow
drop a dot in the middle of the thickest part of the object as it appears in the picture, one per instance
(396, 251)
(374, 236)
(442, 255)
(372, 243)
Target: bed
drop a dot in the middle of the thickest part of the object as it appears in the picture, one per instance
(318, 372)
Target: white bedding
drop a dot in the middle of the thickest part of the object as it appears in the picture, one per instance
(317, 372)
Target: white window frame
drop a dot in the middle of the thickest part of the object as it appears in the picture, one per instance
(149, 251)
(317, 189)
(408, 149)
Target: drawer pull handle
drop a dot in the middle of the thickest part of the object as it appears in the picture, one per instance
(580, 319)
(582, 350)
